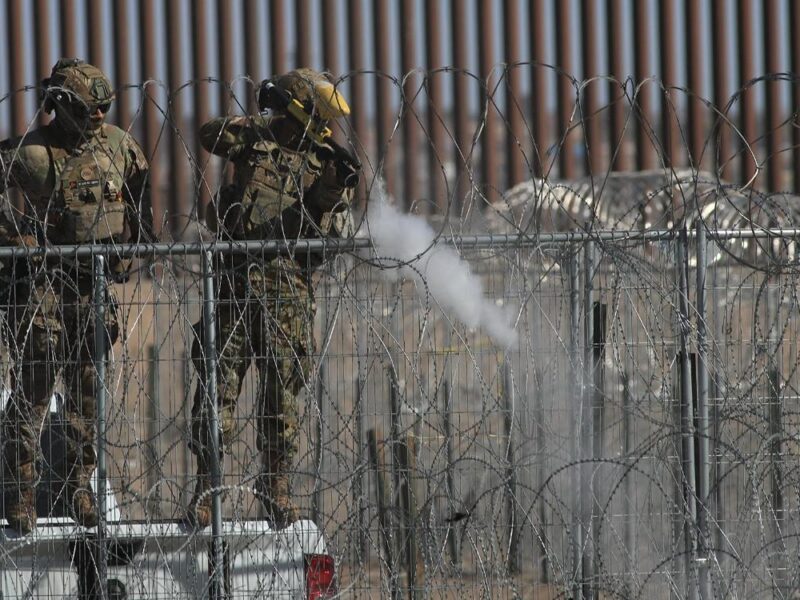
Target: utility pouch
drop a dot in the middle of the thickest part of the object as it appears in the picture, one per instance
(89, 206)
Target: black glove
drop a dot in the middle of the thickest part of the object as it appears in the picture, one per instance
(120, 270)
(348, 168)
(347, 174)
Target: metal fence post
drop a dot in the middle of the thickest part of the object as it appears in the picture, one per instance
(150, 446)
(511, 478)
(100, 352)
(629, 505)
(587, 425)
(359, 501)
(704, 432)
(319, 455)
(541, 473)
(599, 311)
(687, 419)
(775, 423)
(575, 362)
(447, 427)
(210, 349)
(377, 458)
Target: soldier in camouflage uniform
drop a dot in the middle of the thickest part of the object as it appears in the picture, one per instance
(287, 185)
(82, 181)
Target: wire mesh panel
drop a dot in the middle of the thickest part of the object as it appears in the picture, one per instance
(577, 388)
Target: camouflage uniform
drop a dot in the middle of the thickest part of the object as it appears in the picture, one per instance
(265, 313)
(79, 186)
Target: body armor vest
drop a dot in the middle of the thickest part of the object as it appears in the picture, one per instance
(273, 180)
(88, 204)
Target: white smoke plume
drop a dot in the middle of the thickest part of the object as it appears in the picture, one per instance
(409, 241)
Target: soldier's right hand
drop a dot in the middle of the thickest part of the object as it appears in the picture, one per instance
(27, 241)
(24, 241)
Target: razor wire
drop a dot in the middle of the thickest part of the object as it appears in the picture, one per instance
(434, 459)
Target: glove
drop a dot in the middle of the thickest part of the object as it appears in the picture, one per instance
(120, 271)
(26, 241)
(347, 174)
(347, 166)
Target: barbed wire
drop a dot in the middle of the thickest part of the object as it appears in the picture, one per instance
(434, 454)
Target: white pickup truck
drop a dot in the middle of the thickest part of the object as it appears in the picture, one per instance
(155, 559)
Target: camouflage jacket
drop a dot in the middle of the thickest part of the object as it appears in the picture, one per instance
(281, 189)
(43, 165)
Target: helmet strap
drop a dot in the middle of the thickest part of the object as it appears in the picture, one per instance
(296, 109)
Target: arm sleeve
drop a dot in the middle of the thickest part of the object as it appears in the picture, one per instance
(139, 214)
(231, 136)
(8, 227)
(327, 194)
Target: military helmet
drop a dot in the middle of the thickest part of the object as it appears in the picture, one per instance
(76, 81)
(316, 92)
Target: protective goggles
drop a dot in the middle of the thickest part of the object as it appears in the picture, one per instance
(81, 109)
(78, 107)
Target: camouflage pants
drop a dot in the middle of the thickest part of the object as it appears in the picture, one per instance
(49, 330)
(268, 321)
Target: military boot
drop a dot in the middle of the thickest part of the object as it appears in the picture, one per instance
(21, 511)
(198, 513)
(199, 510)
(280, 510)
(84, 506)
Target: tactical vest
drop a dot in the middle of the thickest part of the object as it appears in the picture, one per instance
(273, 180)
(88, 203)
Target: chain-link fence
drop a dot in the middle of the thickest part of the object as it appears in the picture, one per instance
(572, 388)
(634, 438)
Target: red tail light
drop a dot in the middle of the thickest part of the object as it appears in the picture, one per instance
(320, 576)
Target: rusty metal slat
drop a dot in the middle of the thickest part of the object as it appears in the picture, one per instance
(355, 50)
(515, 151)
(204, 182)
(774, 134)
(720, 61)
(227, 102)
(408, 61)
(617, 97)
(670, 132)
(566, 92)
(539, 88)
(303, 25)
(591, 107)
(382, 27)
(747, 111)
(252, 52)
(463, 152)
(16, 67)
(121, 61)
(358, 87)
(437, 150)
(330, 38)
(179, 205)
(330, 52)
(794, 41)
(94, 23)
(147, 20)
(645, 153)
(43, 47)
(278, 42)
(490, 171)
(69, 47)
(695, 75)
(16, 74)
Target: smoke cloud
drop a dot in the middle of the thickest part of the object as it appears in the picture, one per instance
(408, 247)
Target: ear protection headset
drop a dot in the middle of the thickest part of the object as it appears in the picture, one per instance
(51, 93)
